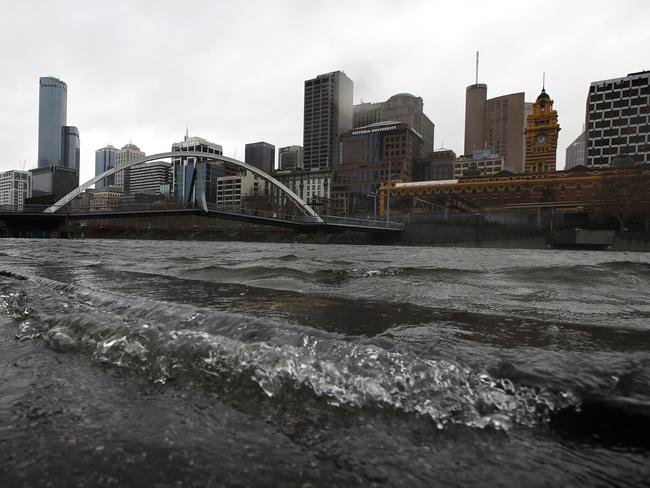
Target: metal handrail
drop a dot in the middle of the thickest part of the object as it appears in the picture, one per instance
(171, 205)
(335, 219)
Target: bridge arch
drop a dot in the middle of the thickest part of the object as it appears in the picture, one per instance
(186, 154)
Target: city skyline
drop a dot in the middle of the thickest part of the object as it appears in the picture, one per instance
(152, 96)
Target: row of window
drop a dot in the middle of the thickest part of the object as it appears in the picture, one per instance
(620, 85)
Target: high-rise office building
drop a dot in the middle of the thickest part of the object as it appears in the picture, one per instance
(52, 117)
(71, 148)
(203, 173)
(15, 188)
(58, 144)
(327, 115)
(128, 153)
(497, 124)
(375, 154)
(402, 107)
(575, 153)
(51, 183)
(261, 155)
(154, 178)
(105, 159)
(291, 157)
(617, 121)
(475, 117)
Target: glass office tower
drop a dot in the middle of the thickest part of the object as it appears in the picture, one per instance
(52, 114)
(105, 159)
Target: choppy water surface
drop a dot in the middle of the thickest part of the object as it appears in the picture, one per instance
(133, 363)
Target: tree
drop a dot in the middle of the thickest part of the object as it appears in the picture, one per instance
(624, 197)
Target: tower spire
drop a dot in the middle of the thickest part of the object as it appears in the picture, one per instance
(543, 80)
(476, 68)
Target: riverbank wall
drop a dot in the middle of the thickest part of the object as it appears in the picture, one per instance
(465, 231)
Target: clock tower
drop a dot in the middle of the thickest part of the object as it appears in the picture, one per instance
(541, 136)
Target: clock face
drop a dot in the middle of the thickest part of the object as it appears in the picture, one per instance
(541, 138)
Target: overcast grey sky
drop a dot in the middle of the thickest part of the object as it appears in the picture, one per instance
(234, 71)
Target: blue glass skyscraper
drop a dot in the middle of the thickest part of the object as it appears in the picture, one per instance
(105, 159)
(52, 115)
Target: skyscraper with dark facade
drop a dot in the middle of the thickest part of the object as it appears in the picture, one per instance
(375, 154)
(327, 115)
(261, 155)
(402, 107)
(71, 150)
(105, 159)
(291, 157)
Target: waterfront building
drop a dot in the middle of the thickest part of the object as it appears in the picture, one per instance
(129, 152)
(571, 191)
(232, 189)
(15, 188)
(497, 124)
(154, 178)
(481, 163)
(261, 155)
(373, 154)
(202, 172)
(327, 115)
(105, 159)
(617, 121)
(52, 117)
(541, 136)
(291, 157)
(438, 165)
(51, 183)
(575, 153)
(308, 185)
(105, 199)
(402, 107)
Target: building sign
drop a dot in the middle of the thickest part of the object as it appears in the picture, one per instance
(370, 131)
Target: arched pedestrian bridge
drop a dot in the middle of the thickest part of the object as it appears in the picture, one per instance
(303, 217)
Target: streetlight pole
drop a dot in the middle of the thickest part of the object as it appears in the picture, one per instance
(388, 196)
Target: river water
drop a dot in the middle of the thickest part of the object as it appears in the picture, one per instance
(154, 363)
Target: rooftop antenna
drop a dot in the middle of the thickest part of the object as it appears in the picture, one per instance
(477, 67)
(543, 80)
(187, 131)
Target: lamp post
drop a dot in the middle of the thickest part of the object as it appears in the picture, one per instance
(388, 196)
(374, 199)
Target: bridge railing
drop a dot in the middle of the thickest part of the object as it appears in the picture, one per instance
(234, 209)
(130, 207)
(382, 224)
(24, 208)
